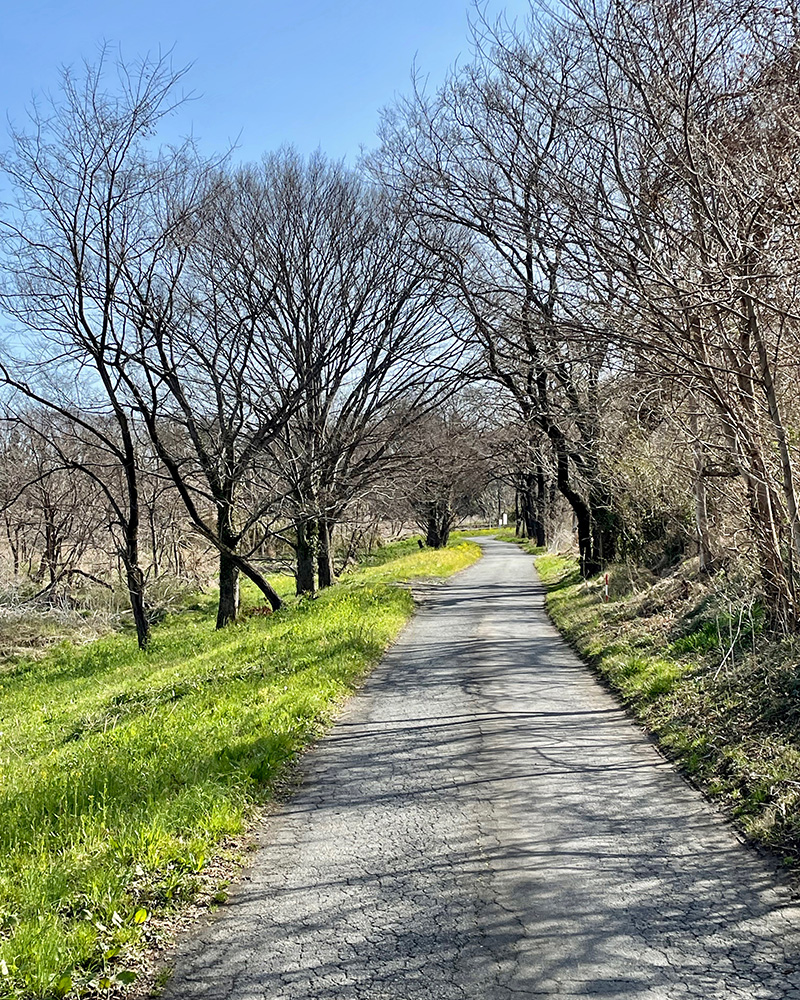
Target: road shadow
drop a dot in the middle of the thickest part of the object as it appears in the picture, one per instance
(485, 821)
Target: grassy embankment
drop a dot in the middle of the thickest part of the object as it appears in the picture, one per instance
(121, 774)
(691, 661)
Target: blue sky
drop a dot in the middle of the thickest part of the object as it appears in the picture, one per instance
(307, 72)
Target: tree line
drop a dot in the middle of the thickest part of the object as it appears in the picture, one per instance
(571, 269)
(615, 187)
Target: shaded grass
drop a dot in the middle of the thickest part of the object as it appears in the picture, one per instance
(719, 696)
(121, 772)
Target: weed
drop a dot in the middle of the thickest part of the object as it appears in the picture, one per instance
(161, 981)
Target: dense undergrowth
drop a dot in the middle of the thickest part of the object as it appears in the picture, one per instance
(691, 658)
(121, 773)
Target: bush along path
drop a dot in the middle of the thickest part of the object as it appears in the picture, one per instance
(122, 773)
(690, 658)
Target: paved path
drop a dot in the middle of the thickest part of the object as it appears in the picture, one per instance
(485, 823)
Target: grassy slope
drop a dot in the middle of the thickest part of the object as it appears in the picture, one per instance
(120, 773)
(728, 711)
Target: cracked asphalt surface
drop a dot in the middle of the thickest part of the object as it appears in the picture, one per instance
(486, 822)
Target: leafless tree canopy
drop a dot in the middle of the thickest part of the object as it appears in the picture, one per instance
(596, 217)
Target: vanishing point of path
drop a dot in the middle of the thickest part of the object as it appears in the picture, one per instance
(486, 823)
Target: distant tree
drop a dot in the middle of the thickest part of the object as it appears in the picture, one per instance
(52, 516)
(446, 470)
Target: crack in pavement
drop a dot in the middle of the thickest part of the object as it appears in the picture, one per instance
(485, 822)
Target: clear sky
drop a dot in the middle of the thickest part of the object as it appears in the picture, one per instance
(313, 73)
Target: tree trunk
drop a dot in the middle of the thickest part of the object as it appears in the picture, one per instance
(245, 567)
(588, 560)
(228, 608)
(52, 545)
(305, 575)
(701, 519)
(14, 544)
(136, 593)
(130, 553)
(700, 504)
(260, 581)
(532, 503)
(541, 507)
(438, 524)
(130, 524)
(776, 576)
(432, 531)
(231, 565)
(151, 519)
(325, 569)
(779, 430)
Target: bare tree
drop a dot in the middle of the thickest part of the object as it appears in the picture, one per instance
(52, 516)
(482, 159)
(449, 471)
(196, 366)
(694, 213)
(79, 174)
(298, 323)
(358, 325)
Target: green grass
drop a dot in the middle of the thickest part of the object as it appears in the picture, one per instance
(409, 562)
(557, 571)
(639, 675)
(722, 698)
(121, 772)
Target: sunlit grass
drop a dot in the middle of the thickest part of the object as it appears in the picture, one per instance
(729, 714)
(414, 563)
(120, 772)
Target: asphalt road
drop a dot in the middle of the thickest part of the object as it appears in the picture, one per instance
(485, 822)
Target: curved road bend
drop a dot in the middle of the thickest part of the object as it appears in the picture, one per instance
(484, 822)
